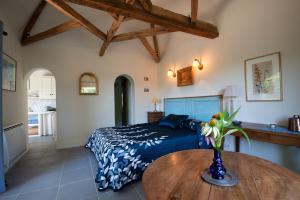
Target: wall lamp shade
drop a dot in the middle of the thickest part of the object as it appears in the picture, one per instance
(171, 73)
(197, 64)
(232, 91)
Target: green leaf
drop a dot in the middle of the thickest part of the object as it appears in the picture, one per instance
(240, 130)
(245, 135)
(220, 124)
(232, 117)
(230, 132)
(226, 115)
(218, 142)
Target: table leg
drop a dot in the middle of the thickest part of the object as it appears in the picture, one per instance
(237, 144)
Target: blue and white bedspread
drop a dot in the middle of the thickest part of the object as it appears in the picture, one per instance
(123, 153)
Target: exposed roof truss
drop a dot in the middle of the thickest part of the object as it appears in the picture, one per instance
(161, 21)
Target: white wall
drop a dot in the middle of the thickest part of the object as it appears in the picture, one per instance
(14, 106)
(78, 115)
(247, 29)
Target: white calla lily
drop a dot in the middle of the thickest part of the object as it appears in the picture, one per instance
(212, 140)
(205, 129)
(209, 131)
(215, 131)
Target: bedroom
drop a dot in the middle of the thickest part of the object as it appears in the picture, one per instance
(247, 29)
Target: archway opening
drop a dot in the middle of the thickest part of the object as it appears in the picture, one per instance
(41, 101)
(124, 100)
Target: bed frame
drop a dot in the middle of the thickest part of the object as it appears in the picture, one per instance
(201, 107)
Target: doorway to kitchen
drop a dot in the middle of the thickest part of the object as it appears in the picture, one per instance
(41, 95)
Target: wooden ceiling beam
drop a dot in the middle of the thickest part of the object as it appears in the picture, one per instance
(113, 29)
(155, 42)
(142, 33)
(51, 32)
(127, 19)
(69, 11)
(33, 18)
(149, 49)
(147, 4)
(157, 15)
(116, 17)
(194, 10)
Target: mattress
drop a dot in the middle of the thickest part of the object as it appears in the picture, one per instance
(123, 153)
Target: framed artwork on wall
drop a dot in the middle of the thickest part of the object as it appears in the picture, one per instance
(9, 73)
(263, 78)
(185, 77)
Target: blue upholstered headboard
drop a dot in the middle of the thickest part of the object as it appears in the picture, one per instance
(200, 108)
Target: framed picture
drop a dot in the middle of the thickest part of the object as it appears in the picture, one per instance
(185, 76)
(88, 84)
(9, 72)
(263, 78)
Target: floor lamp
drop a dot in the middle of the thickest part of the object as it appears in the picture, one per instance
(232, 92)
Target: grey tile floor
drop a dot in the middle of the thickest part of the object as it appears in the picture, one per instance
(46, 173)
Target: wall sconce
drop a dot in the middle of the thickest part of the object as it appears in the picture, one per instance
(171, 73)
(198, 64)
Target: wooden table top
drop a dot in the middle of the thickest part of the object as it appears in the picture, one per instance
(177, 176)
(262, 132)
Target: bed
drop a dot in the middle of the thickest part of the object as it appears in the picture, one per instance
(123, 153)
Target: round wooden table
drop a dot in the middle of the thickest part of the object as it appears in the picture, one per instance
(177, 176)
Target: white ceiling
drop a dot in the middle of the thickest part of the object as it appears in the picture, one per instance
(18, 12)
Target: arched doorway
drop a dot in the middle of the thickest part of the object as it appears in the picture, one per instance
(41, 102)
(124, 100)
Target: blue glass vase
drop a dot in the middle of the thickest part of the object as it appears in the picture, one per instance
(217, 168)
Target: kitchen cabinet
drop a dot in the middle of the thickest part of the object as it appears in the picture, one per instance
(47, 87)
(43, 87)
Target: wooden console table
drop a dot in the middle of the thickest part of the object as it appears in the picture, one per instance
(262, 132)
(177, 176)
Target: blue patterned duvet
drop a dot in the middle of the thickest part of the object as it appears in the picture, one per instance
(123, 153)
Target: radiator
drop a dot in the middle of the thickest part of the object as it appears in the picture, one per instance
(14, 144)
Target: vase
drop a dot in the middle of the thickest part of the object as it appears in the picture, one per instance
(217, 168)
(216, 174)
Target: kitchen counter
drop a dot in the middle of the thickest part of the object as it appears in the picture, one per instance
(41, 113)
(46, 122)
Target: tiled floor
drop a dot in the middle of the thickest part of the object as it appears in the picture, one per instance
(45, 173)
